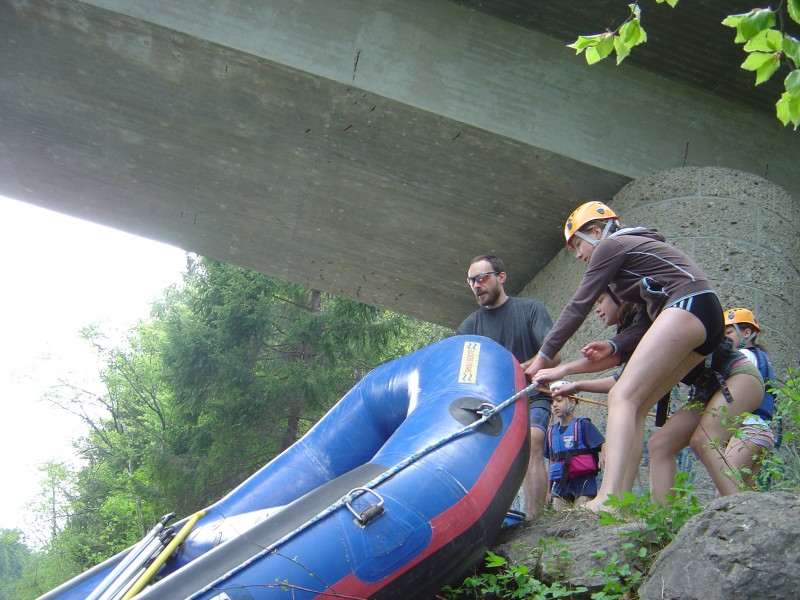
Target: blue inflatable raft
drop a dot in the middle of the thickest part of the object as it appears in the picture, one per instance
(396, 492)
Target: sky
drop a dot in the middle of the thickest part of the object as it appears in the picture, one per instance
(59, 275)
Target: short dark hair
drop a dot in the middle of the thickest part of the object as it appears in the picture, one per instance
(497, 263)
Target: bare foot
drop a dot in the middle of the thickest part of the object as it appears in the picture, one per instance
(595, 505)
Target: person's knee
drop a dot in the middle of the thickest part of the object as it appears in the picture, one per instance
(700, 443)
(537, 441)
(536, 456)
(620, 398)
(661, 445)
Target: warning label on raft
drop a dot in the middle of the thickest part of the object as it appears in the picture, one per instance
(468, 373)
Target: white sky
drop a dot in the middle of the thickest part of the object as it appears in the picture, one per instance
(60, 274)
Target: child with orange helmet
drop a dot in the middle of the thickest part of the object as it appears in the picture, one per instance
(755, 436)
(639, 266)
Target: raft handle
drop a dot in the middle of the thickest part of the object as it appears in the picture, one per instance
(369, 513)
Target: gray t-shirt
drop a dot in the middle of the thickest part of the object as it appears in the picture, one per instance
(519, 325)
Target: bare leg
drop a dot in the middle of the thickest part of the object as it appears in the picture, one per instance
(745, 457)
(664, 446)
(536, 479)
(715, 427)
(663, 356)
(635, 456)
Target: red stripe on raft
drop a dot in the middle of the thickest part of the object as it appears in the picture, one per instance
(452, 523)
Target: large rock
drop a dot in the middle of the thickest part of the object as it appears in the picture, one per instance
(740, 547)
(563, 547)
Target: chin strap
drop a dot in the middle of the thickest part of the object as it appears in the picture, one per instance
(603, 235)
(744, 341)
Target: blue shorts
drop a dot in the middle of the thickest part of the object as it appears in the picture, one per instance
(540, 417)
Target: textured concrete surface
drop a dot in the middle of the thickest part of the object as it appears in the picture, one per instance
(366, 148)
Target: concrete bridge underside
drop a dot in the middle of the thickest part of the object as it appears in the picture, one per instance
(367, 148)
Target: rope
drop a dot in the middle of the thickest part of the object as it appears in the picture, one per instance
(582, 399)
(487, 412)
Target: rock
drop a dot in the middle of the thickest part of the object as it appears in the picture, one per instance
(740, 547)
(562, 547)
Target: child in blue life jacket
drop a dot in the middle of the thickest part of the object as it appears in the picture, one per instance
(754, 437)
(574, 448)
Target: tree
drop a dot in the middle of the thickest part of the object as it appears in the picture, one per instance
(253, 362)
(14, 556)
(231, 369)
(762, 31)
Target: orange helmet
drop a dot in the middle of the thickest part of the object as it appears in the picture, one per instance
(741, 316)
(589, 211)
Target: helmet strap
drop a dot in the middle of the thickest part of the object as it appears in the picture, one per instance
(603, 234)
(743, 341)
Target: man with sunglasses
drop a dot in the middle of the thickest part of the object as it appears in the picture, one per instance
(519, 325)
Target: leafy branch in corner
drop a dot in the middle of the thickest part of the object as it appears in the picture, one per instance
(761, 31)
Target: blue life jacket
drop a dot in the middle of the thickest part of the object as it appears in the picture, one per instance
(767, 408)
(562, 447)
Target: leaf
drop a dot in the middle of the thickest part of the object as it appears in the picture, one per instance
(493, 560)
(632, 34)
(757, 20)
(756, 60)
(792, 82)
(605, 45)
(788, 109)
(794, 9)
(601, 49)
(768, 69)
(769, 40)
(584, 41)
(621, 49)
(734, 21)
(791, 48)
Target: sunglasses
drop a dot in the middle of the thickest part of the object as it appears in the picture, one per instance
(480, 278)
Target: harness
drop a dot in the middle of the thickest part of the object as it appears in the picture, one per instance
(711, 375)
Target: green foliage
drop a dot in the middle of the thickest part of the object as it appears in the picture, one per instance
(231, 369)
(619, 578)
(14, 558)
(656, 526)
(621, 40)
(787, 406)
(761, 31)
(781, 469)
(621, 573)
(767, 47)
(504, 580)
